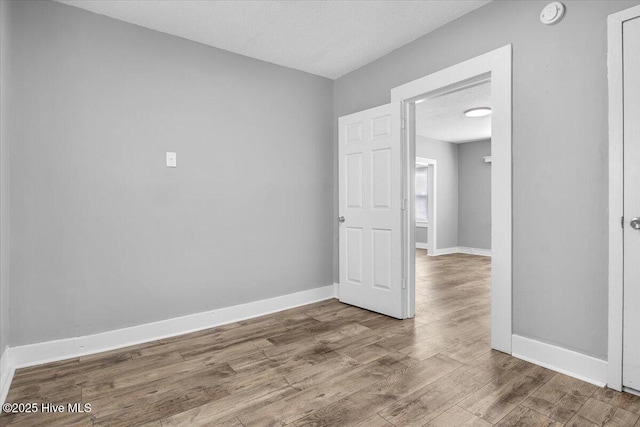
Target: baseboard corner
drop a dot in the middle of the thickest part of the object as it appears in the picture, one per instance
(445, 251)
(461, 250)
(474, 251)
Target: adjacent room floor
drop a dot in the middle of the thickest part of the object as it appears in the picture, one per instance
(329, 364)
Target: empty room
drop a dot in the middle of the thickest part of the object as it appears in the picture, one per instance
(319, 213)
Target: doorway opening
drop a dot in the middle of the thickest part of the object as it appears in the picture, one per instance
(377, 197)
(453, 216)
(492, 68)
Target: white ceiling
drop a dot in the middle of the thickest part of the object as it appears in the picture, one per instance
(443, 118)
(327, 38)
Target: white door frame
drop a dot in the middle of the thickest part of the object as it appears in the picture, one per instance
(432, 233)
(616, 194)
(495, 65)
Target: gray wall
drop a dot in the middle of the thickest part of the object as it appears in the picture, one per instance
(446, 155)
(103, 235)
(464, 193)
(422, 235)
(474, 195)
(4, 191)
(559, 115)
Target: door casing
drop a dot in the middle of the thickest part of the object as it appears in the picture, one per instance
(432, 227)
(616, 194)
(494, 65)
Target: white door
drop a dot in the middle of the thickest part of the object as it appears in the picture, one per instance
(631, 334)
(370, 208)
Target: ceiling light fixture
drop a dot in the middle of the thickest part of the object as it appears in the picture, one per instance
(478, 112)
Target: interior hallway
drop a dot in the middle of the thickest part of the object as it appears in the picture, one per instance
(329, 364)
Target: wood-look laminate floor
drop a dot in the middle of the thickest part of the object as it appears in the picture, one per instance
(329, 364)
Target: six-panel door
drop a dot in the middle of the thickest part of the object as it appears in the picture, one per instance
(370, 198)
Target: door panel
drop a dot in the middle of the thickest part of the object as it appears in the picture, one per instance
(370, 195)
(354, 255)
(631, 334)
(382, 258)
(354, 181)
(381, 189)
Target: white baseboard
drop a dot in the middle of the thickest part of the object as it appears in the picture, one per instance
(445, 251)
(461, 250)
(51, 351)
(631, 391)
(336, 290)
(568, 362)
(474, 251)
(6, 375)
(422, 245)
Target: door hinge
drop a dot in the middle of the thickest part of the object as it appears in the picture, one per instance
(404, 204)
(404, 283)
(622, 222)
(404, 123)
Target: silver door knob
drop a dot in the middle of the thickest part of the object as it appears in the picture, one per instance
(635, 223)
(341, 219)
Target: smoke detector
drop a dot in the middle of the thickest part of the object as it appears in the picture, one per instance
(552, 13)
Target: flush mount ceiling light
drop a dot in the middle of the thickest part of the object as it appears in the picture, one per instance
(478, 112)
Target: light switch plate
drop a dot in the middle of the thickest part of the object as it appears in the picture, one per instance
(172, 160)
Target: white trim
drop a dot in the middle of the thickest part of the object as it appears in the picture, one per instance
(474, 251)
(445, 251)
(625, 15)
(421, 224)
(496, 66)
(631, 390)
(432, 173)
(6, 375)
(422, 245)
(568, 362)
(616, 194)
(487, 159)
(423, 161)
(336, 290)
(51, 351)
(460, 250)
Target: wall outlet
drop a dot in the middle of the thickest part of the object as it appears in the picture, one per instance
(172, 160)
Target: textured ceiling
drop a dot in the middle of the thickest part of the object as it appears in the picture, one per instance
(443, 118)
(327, 38)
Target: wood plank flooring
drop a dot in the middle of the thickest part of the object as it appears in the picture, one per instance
(329, 364)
